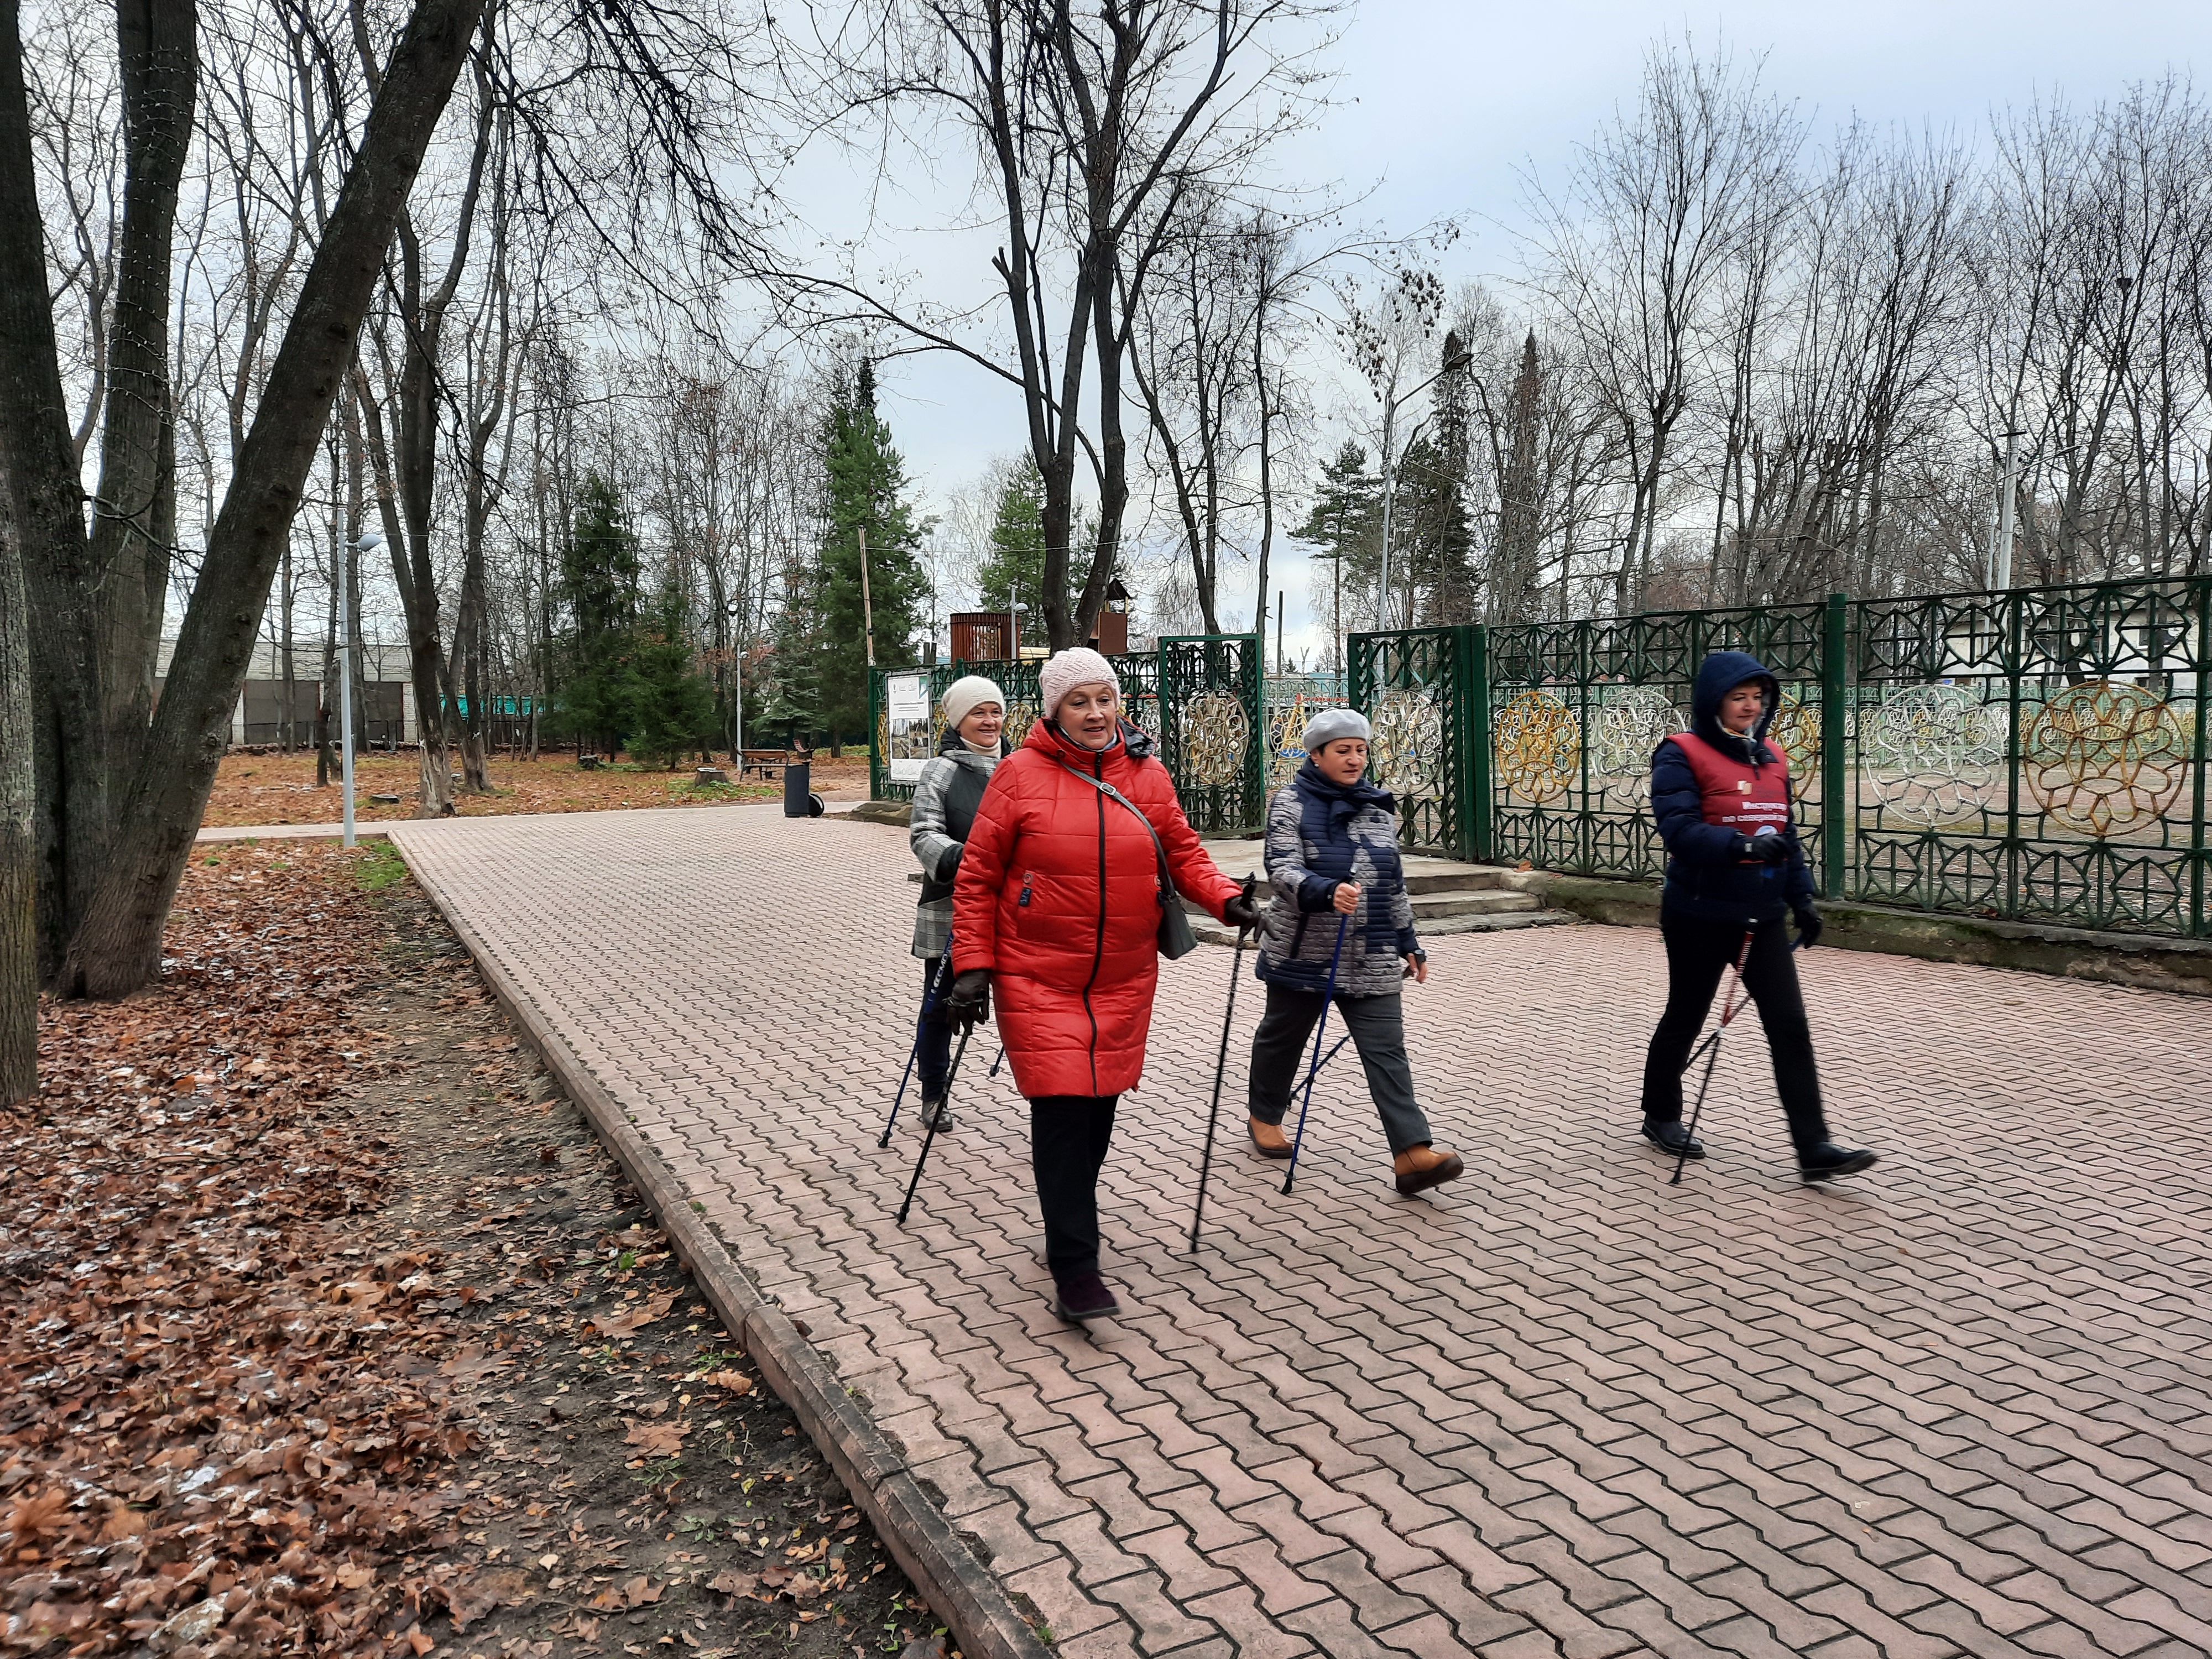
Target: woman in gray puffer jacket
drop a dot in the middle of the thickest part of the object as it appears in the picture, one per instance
(946, 797)
(1333, 862)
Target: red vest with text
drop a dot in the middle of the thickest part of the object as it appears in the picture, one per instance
(1735, 794)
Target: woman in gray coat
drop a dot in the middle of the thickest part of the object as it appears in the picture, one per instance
(944, 802)
(1333, 862)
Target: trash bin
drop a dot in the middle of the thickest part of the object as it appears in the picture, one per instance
(798, 799)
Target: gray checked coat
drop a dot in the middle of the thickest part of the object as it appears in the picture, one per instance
(944, 802)
(1320, 834)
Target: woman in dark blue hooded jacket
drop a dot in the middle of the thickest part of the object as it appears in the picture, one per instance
(1734, 871)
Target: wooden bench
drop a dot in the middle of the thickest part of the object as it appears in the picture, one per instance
(769, 762)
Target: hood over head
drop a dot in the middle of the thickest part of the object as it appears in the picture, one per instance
(1720, 674)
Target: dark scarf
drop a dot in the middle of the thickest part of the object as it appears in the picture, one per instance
(1343, 801)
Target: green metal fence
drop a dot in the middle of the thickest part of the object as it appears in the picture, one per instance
(1200, 696)
(2037, 755)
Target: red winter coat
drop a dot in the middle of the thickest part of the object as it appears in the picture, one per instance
(1058, 895)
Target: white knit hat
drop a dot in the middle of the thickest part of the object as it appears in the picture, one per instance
(963, 694)
(1326, 728)
(1077, 666)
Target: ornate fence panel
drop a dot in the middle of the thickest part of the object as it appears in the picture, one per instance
(1417, 687)
(2037, 755)
(1292, 700)
(1209, 697)
(1576, 710)
(904, 742)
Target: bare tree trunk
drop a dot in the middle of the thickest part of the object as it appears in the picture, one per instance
(97, 626)
(116, 948)
(19, 864)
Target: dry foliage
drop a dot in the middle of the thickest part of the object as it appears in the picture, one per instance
(258, 789)
(212, 1412)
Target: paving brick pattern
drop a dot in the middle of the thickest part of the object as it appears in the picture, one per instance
(1961, 1406)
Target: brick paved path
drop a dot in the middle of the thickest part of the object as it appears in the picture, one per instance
(1959, 1406)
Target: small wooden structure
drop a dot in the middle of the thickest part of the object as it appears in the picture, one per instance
(1111, 631)
(982, 635)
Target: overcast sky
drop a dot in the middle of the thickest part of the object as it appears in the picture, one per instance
(1445, 103)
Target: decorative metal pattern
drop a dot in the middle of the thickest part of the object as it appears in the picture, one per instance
(1626, 725)
(2106, 758)
(1216, 735)
(1537, 745)
(1407, 753)
(1293, 702)
(1796, 733)
(1932, 755)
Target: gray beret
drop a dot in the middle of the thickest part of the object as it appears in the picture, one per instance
(1331, 723)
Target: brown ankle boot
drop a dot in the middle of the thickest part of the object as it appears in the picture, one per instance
(1268, 1139)
(1419, 1168)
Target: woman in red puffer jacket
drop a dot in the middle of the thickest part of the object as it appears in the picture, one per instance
(1057, 909)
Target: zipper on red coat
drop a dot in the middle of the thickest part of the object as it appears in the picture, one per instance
(1098, 949)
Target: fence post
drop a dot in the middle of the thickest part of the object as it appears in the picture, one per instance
(1474, 729)
(1837, 810)
(2199, 920)
(877, 760)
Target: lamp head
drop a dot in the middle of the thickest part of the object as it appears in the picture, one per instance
(369, 542)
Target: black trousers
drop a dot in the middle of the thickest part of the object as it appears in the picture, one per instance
(933, 1058)
(1699, 951)
(1068, 1137)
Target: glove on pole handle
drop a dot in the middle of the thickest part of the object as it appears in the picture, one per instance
(1321, 1029)
(929, 1134)
(1711, 1046)
(937, 982)
(1220, 1064)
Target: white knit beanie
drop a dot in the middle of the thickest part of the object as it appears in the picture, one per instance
(1077, 666)
(963, 694)
(1326, 728)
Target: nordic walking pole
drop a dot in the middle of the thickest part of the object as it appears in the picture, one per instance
(1220, 1064)
(928, 1002)
(997, 1060)
(1320, 1027)
(1710, 1048)
(929, 1134)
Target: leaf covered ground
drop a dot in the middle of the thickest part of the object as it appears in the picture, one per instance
(327, 1326)
(278, 789)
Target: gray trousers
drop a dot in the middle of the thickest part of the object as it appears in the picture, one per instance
(1281, 1048)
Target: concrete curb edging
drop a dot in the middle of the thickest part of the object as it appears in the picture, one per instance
(961, 1589)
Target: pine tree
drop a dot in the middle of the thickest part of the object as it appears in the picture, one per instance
(1345, 525)
(793, 706)
(671, 703)
(868, 490)
(599, 574)
(1014, 568)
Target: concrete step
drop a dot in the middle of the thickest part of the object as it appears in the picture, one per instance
(1435, 905)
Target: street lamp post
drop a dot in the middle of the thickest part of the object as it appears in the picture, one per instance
(367, 544)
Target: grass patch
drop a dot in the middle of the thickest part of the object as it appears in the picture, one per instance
(380, 865)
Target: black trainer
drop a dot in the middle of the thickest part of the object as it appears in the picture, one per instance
(1673, 1138)
(1825, 1161)
(934, 1111)
(1082, 1296)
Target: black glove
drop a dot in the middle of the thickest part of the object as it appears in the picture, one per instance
(1241, 912)
(970, 1001)
(1775, 848)
(1808, 923)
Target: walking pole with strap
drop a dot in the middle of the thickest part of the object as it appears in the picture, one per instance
(1220, 1064)
(929, 1134)
(937, 978)
(1710, 1049)
(1320, 1027)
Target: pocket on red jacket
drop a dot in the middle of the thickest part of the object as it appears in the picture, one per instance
(1056, 910)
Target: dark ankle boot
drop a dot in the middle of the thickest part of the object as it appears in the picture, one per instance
(1824, 1160)
(1671, 1137)
(1082, 1296)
